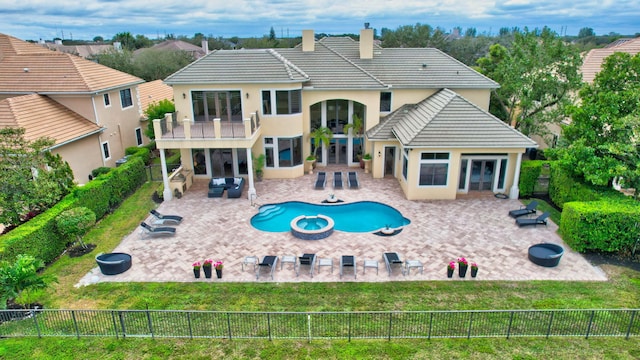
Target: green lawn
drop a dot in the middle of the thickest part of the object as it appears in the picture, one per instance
(622, 291)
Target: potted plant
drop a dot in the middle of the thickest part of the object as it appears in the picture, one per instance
(366, 159)
(218, 266)
(206, 266)
(258, 165)
(450, 269)
(321, 135)
(474, 270)
(463, 265)
(196, 269)
(310, 160)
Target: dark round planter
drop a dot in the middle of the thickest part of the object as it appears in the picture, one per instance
(546, 254)
(449, 272)
(462, 270)
(113, 263)
(474, 272)
(219, 273)
(207, 271)
(196, 273)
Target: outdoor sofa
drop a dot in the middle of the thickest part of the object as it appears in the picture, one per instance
(233, 186)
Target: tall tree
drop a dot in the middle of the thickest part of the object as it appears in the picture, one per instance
(537, 75)
(153, 64)
(126, 40)
(156, 110)
(603, 139)
(31, 178)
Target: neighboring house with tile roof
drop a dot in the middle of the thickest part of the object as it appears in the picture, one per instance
(84, 51)
(153, 92)
(91, 111)
(595, 57)
(425, 113)
(176, 45)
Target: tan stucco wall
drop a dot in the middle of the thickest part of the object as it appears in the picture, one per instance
(83, 156)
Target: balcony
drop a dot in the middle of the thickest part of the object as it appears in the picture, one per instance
(170, 128)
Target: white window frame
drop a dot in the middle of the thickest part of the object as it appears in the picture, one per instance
(121, 98)
(435, 162)
(405, 164)
(471, 158)
(108, 148)
(273, 103)
(276, 151)
(106, 98)
(138, 131)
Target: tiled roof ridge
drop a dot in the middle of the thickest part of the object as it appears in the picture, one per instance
(448, 96)
(287, 64)
(466, 66)
(192, 63)
(352, 63)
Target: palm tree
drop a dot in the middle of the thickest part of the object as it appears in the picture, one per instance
(357, 127)
(320, 135)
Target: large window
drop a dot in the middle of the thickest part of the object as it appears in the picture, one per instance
(283, 152)
(385, 101)
(125, 98)
(138, 136)
(209, 105)
(434, 168)
(283, 101)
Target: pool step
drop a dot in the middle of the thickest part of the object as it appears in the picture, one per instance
(269, 212)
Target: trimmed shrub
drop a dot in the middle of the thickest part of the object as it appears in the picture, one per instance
(143, 152)
(529, 173)
(99, 171)
(608, 226)
(564, 188)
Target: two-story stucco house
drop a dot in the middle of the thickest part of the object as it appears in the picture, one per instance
(91, 111)
(425, 115)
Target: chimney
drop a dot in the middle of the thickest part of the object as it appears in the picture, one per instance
(366, 43)
(117, 45)
(58, 42)
(205, 46)
(308, 41)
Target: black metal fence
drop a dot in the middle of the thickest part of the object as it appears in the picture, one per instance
(320, 325)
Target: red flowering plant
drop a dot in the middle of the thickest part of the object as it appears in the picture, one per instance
(452, 265)
(218, 265)
(207, 263)
(462, 262)
(196, 265)
(474, 266)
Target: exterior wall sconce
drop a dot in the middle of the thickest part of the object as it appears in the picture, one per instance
(184, 96)
(247, 95)
(379, 154)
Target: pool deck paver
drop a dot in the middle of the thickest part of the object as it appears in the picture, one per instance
(477, 228)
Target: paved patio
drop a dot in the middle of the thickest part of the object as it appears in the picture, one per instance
(440, 231)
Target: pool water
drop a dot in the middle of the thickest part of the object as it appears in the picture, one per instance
(363, 216)
(313, 224)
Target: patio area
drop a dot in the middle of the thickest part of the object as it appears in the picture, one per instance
(477, 228)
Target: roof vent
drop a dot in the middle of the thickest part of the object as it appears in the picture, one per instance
(26, 69)
(424, 66)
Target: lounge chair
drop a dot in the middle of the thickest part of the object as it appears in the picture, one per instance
(349, 262)
(353, 180)
(321, 180)
(306, 260)
(157, 230)
(526, 210)
(337, 180)
(540, 220)
(165, 219)
(268, 262)
(392, 259)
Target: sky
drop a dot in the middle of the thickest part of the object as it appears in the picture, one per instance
(86, 19)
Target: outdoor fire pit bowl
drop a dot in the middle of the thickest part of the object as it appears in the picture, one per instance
(546, 254)
(113, 263)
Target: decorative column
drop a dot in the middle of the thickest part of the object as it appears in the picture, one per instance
(252, 190)
(515, 191)
(165, 177)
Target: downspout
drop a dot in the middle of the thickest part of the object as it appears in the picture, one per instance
(252, 189)
(95, 115)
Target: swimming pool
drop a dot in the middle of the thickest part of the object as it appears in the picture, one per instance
(362, 216)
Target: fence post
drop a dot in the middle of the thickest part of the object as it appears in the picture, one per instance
(269, 325)
(229, 325)
(189, 322)
(470, 322)
(115, 325)
(35, 320)
(390, 323)
(75, 323)
(124, 329)
(550, 321)
(633, 316)
(149, 322)
(510, 322)
(308, 327)
(349, 327)
(593, 312)
(430, 325)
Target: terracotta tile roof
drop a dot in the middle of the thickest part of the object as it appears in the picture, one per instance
(593, 61)
(154, 91)
(85, 51)
(42, 117)
(26, 68)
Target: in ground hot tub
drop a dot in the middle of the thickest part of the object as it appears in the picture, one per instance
(312, 227)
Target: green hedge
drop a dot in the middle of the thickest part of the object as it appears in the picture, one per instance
(563, 188)
(608, 226)
(40, 238)
(529, 173)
